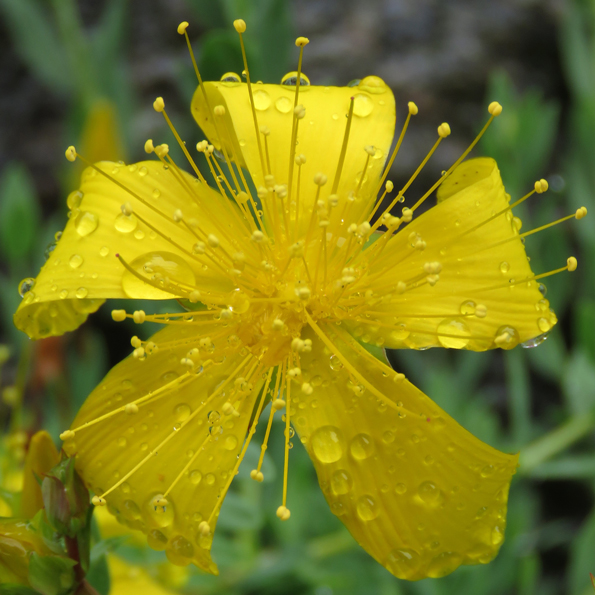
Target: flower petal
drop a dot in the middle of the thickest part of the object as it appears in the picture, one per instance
(484, 297)
(320, 133)
(83, 270)
(415, 489)
(184, 431)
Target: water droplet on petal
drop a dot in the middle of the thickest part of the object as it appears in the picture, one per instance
(125, 223)
(361, 447)
(195, 477)
(230, 443)
(103, 251)
(156, 540)
(504, 267)
(444, 564)
(262, 100)
(26, 285)
(362, 105)
(536, 341)
(403, 563)
(73, 201)
(367, 508)
(158, 514)
(453, 333)
(81, 293)
(86, 223)
(76, 260)
(327, 444)
(284, 105)
(341, 482)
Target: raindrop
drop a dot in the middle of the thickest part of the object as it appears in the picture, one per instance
(453, 333)
(361, 447)
(367, 509)
(86, 223)
(354, 83)
(362, 105)
(76, 260)
(341, 482)
(81, 293)
(125, 223)
(73, 201)
(290, 79)
(283, 104)
(403, 563)
(536, 341)
(26, 285)
(231, 77)
(262, 100)
(195, 477)
(327, 444)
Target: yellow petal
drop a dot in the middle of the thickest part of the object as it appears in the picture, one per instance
(415, 489)
(320, 134)
(41, 457)
(126, 578)
(83, 269)
(477, 303)
(186, 410)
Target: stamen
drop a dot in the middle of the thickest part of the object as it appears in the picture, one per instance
(240, 27)
(285, 514)
(343, 148)
(412, 112)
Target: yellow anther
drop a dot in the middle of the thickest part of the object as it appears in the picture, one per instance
(202, 146)
(186, 361)
(131, 408)
(443, 130)
(320, 179)
(160, 502)
(304, 293)
(242, 197)
(256, 475)
(178, 216)
(269, 181)
(389, 186)
(239, 25)
(182, 27)
(70, 153)
(297, 344)
(281, 190)
(432, 267)
(278, 324)
(278, 404)
(238, 257)
(401, 287)
(135, 342)
(265, 130)
(495, 109)
(364, 228)
(296, 249)
(299, 111)
(481, 311)
(219, 110)
(213, 240)
(199, 248)
(572, 263)
(541, 186)
(307, 388)
(580, 213)
(370, 150)
(138, 353)
(119, 315)
(257, 236)
(159, 104)
(333, 200)
(300, 42)
(433, 279)
(412, 108)
(194, 296)
(294, 372)
(139, 316)
(67, 435)
(162, 150)
(300, 159)
(283, 513)
(98, 501)
(398, 377)
(407, 215)
(126, 208)
(227, 408)
(149, 148)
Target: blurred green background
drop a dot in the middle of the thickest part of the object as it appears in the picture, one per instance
(86, 72)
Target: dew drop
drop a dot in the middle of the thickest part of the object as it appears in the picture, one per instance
(430, 494)
(327, 444)
(544, 325)
(179, 551)
(262, 100)
(76, 260)
(156, 540)
(361, 447)
(506, 337)
(444, 564)
(230, 77)
(73, 201)
(362, 105)
(230, 443)
(400, 488)
(156, 193)
(86, 223)
(341, 482)
(81, 293)
(535, 341)
(467, 307)
(125, 223)
(290, 79)
(284, 105)
(403, 563)
(26, 285)
(157, 514)
(453, 333)
(103, 251)
(210, 479)
(131, 510)
(182, 412)
(497, 535)
(335, 363)
(367, 509)
(504, 267)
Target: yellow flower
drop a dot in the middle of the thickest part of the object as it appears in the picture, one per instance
(297, 292)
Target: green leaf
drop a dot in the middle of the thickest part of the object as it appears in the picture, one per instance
(578, 383)
(238, 513)
(98, 576)
(584, 325)
(34, 37)
(17, 590)
(51, 575)
(19, 213)
(220, 53)
(581, 558)
(575, 467)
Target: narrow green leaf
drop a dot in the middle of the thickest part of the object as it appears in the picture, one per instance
(578, 383)
(581, 558)
(19, 213)
(32, 33)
